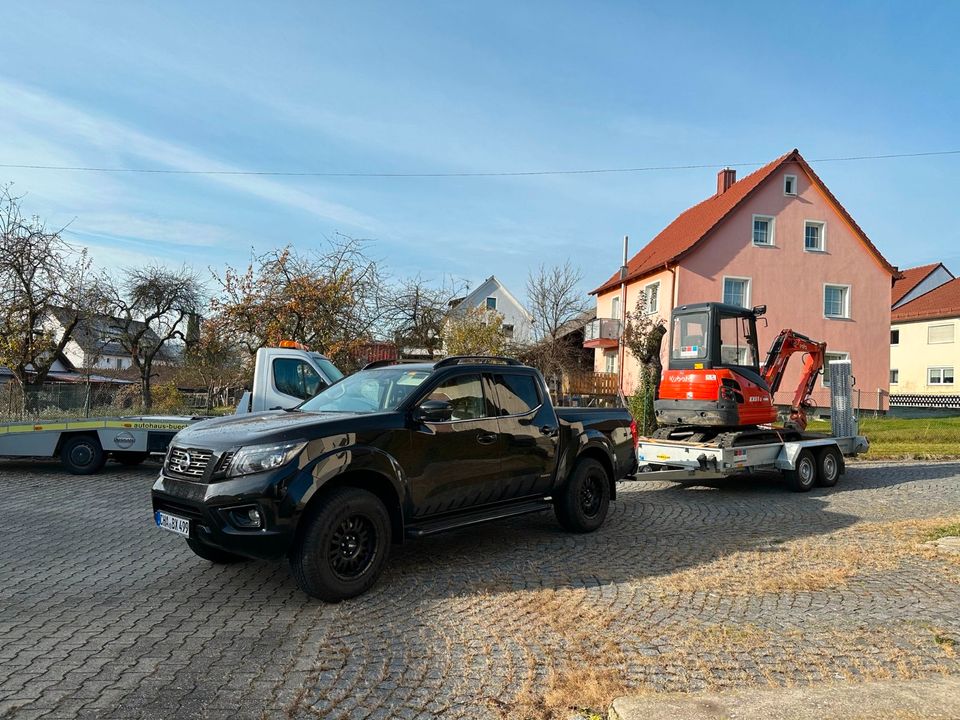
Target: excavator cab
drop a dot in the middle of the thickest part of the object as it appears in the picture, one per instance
(713, 376)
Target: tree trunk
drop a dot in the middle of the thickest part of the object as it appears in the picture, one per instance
(146, 395)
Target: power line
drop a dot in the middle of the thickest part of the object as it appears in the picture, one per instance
(519, 173)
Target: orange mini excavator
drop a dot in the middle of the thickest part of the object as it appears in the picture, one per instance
(714, 382)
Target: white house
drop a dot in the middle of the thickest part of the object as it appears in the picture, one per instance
(95, 341)
(493, 295)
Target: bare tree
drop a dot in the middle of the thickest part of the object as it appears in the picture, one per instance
(417, 312)
(554, 300)
(46, 288)
(151, 306)
(214, 358)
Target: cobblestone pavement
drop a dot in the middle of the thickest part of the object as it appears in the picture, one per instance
(103, 615)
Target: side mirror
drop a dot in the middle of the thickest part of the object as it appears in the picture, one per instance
(434, 411)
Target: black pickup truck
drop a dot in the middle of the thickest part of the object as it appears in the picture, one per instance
(391, 452)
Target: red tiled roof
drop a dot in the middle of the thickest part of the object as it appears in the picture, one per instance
(697, 222)
(941, 302)
(911, 277)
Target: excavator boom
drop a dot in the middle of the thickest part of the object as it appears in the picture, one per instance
(787, 343)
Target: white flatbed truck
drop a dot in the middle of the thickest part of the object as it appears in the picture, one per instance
(283, 377)
(805, 459)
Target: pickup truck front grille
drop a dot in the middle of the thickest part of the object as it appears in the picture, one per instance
(187, 462)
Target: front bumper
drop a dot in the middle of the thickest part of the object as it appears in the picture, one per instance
(722, 413)
(208, 508)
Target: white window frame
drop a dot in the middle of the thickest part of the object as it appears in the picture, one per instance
(941, 368)
(772, 222)
(823, 235)
(486, 303)
(826, 363)
(646, 295)
(615, 307)
(942, 342)
(892, 331)
(894, 373)
(792, 178)
(747, 291)
(846, 301)
(609, 363)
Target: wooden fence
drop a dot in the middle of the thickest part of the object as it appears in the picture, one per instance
(587, 383)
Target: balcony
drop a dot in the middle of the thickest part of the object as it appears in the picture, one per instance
(602, 333)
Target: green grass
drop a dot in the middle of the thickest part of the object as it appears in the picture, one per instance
(952, 530)
(913, 438)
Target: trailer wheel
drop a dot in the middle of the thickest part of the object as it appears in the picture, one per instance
(804, 475)
(82, 455)
(212, 554)
(581, 506)
(829, 466)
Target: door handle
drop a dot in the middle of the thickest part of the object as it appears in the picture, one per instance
(548, 430)
(487, 438)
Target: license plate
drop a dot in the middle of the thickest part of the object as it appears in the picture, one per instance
(178, 525)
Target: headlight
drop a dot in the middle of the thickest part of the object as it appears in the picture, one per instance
(260, 458)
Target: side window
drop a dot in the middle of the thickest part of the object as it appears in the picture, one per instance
(296, 377)
(517, 394)
(465, 394)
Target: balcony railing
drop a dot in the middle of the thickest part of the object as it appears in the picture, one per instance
(602, 332)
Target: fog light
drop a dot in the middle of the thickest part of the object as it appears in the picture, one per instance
(248, 517)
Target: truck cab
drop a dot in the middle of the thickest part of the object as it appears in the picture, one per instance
(285, 376)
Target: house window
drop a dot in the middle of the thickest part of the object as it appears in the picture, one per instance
(813, 235)
(507, 331)
(827, 357)
(894, 376)
(789, 184)
(836, 301)
(939, 334)
(762, 230)
(615, 308)
(491, 303)
(736, 291)
(940, 376)
(651, 294)
(610, 363)
(894, 337)
(119, 363)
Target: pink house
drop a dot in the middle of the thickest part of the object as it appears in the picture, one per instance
(779, 238)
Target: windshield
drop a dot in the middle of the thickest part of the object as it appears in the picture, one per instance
(368, 391)
(690, 336)
(328, 368)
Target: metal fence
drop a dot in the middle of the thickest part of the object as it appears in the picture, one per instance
(63, 400)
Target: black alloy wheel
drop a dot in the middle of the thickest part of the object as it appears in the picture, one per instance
(581, 504)
(342, 544)
(353, 546)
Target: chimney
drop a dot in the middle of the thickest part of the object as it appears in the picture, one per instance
(725, 178)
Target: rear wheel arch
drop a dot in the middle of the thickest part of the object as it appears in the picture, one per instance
(600, 455)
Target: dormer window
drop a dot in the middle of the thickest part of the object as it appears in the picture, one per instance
(789, 184)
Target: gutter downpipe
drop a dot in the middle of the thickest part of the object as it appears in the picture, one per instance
(621, 350)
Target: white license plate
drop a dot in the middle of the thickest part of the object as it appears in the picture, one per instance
(178, 525)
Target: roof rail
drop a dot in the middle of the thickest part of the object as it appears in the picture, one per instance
(462, 359)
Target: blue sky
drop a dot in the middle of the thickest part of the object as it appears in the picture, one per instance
(468, 87)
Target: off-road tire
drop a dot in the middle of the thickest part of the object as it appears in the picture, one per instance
(804, 475)
(130, 458)
(343, 545)
(829, 466)
(82, 455)
(213, 554)
(581, 505)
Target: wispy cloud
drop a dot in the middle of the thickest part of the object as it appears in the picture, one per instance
(99, 139)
